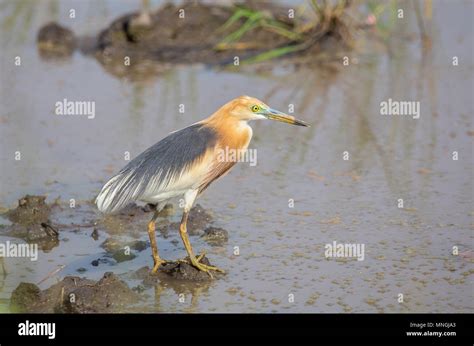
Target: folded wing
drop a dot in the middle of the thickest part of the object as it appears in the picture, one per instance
(157, 168)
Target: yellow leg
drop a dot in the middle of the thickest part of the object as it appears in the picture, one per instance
(154, 248)
(195, 261)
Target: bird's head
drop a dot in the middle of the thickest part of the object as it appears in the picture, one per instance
(249, 108)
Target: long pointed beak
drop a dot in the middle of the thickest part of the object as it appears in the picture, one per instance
(273, 114)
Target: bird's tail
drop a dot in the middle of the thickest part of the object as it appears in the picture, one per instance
(114, 196)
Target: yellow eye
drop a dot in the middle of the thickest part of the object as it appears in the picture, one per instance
(255, 108)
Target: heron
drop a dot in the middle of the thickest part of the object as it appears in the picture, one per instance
(184, 164)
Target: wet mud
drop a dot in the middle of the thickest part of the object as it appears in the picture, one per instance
(160, 37)
(56, 42)
(180, 270)
(215, 236)
(191, 33)
(30, 221)
(74, 294)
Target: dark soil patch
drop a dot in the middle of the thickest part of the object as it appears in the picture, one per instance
(55, 41)
(178, 270)
(148, 43)
(31, 222)
(167, 38)
(215, 236)
(75, 295)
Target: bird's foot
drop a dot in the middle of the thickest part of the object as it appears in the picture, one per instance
(158, 262)
(196, 262)
(186, 260)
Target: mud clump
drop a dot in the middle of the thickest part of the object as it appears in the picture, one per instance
(24, 296)
(31, 222)
(181, 270)
(199, 33)
(38, 233)
(174, 41)
(55, 41)
(160, 37)
(156, 41)
(75, 295)
(109, 294)
(184, 270)
(215, 236)
(30, 210)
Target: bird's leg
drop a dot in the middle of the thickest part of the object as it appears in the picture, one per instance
(198, 258)
(194, 260)
(157, 261)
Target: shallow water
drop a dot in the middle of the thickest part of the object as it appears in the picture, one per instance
(281, 249)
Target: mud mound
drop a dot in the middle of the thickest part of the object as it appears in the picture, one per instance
(55, 41)
(75, 295)
(166, 37)
(176, 271)
(145, 44)
(184, 270)
(30, 210)
(31, 222)
(215, 236)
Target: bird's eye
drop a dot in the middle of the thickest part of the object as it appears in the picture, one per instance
(255, 108)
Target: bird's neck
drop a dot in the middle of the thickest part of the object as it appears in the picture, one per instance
(232, 133)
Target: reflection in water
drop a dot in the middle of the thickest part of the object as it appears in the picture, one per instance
(181, 291)
(4, 268)
(141, 71)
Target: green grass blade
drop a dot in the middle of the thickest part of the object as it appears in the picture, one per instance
(272, 54)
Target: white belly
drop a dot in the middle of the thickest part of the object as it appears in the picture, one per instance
(164, 196)
(191, 179)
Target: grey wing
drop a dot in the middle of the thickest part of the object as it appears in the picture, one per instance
(156, 167)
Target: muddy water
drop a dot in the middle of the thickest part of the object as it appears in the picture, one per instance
(281, 265)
